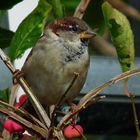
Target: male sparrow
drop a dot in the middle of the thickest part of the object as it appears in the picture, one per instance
(61, 51)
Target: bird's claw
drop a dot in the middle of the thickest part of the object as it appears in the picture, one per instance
(73, 108)
(17, 75)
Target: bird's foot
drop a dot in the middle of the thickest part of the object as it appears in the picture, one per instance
(73, 108)
(17, 75)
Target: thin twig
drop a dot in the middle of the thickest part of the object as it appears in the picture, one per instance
(13, 94)
(69, 87)
(114, 80)
(36, 104)
(57, 106)
(91, 94)
(71, 114)
(79, 12)
(12, 108)
(26, 123)
(132, 99)
(136, 122)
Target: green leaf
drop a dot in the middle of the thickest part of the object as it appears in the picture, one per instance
(7, 4)
(29, 30)
(121, 35)
(5, 37)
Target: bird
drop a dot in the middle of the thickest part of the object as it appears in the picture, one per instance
(60, 52)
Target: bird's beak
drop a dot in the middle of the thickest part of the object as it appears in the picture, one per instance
(87, 34)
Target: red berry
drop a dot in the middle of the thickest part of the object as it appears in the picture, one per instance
(12, 126)
(73, 131)
(17, 127)
(22, 99)
(8, 126)
(17, 105)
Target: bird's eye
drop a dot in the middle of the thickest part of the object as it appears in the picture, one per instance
(74, 28)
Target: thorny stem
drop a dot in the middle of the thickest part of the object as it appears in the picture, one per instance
(79, 12)
(38, 107)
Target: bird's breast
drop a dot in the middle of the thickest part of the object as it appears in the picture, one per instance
(49, 74)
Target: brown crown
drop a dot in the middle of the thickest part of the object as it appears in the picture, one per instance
(68, 23)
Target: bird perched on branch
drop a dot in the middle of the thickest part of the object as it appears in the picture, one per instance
(60, 52)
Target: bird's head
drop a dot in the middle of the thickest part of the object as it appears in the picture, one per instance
(71, 28)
